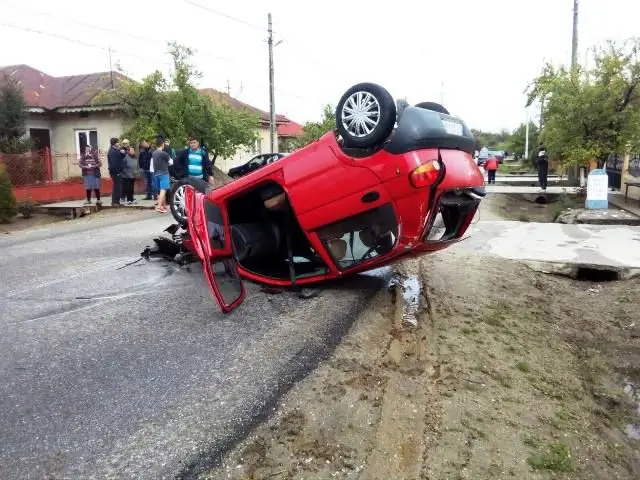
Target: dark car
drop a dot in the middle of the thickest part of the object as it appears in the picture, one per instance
(255, 163)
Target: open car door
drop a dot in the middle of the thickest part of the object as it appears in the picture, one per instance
(208, 227)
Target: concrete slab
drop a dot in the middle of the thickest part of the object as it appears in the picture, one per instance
(598, 217)
(558, 248)
(552, 190)
(77, 208)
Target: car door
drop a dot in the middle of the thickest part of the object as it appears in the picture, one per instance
(208, 227)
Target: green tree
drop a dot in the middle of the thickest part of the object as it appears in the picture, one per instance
(590, 114)
(517, 140)
(497, 141)
(173, 107)
(312, 131)
(13, 117)
(8, 208)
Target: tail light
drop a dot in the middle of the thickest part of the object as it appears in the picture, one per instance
(425, 175)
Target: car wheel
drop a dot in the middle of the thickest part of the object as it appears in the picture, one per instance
(177, 197)
(436, 107)
(365, 115)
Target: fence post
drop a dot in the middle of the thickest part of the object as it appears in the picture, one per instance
(48, 161)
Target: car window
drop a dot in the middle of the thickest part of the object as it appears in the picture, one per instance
(361, 237)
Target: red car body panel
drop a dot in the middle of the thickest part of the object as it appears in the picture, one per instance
(324, 185)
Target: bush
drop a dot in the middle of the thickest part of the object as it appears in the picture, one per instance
(27, 209)
(8, 208)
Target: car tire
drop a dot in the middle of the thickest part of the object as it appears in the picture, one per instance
(177, 196)
(436, 107)
(377, 116)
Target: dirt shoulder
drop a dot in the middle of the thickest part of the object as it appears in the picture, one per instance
(509, 374)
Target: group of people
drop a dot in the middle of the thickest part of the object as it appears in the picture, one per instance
(492, 164)
(158, 164)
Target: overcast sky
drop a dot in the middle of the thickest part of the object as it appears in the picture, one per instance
(476, 55)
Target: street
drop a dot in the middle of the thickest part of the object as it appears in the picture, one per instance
(133, 372)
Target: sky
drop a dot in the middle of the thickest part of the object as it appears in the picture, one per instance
(477, 57)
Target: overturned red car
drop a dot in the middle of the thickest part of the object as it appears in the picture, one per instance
(383, 186)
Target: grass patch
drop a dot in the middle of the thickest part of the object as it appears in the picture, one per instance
(531, 441)
(523, 367)
(556, 458)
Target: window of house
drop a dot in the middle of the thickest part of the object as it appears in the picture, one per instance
(84, 138)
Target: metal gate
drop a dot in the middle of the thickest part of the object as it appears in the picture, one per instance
(614, 170)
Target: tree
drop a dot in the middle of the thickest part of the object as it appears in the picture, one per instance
(517, 140)
(174, 108)
(590, 114)
(8, 208)
(312, 131)
(496, 141)
(13, 118)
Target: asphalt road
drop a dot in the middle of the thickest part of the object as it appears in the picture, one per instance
(133, 372)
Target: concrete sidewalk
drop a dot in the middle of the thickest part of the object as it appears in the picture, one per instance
(524, 189)
(558, 248)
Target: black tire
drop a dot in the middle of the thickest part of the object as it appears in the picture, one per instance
(176, 210)
(382, 116)
(436, 107)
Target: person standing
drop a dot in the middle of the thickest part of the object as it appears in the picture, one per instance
(161, 160)
(90, 165)
(194, 162)
(129, 176)
(543, 166)
(491, 166)
(115, 160)
(144, 163)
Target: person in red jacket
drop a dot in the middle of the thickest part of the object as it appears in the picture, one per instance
(491, 166)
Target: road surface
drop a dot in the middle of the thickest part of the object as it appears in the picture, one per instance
(133, 372)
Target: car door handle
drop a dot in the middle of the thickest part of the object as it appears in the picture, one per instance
(370, 197)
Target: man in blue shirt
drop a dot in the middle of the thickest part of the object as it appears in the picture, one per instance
(194, 162)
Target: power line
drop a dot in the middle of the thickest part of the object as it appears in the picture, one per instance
(115, 32)
(83, 43)
(229, 17)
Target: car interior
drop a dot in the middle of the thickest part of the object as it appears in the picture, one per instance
(266, 235)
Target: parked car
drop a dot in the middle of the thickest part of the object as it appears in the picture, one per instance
(254, 164)
(358, 198)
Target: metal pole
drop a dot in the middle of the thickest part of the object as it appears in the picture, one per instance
(526, 137)
(272, 106)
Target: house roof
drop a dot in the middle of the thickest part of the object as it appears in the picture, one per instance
(289, 129)
(41, 90)
(226, 99)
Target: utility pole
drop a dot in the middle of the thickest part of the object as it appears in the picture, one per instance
(574, 39)
(228, 87)
(111, 70)
(572, 174)
(272, 106)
